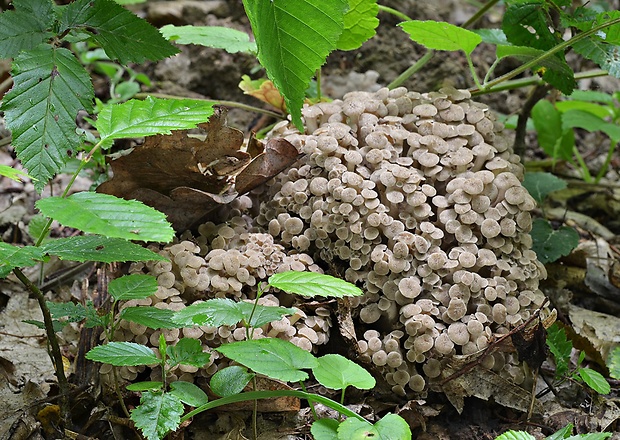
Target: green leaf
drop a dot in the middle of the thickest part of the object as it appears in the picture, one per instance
(600, 111)
(187, 351)
(560, 347)
(123, 35)
(590, 122)
(109, 216)
(492, 36)
(591, 436)
(294, 39)
(50, 87)
(219, 37)
(135, 286)
(515, 435)
(122, 354)
(552, 137)
(592, 96)
(337, 372)
(13, 174)
(313, 284)
(152, 317)
(550, 244)
(13, 256)
(613, 363)
(562, 433)
(325, 429)
(540, 185)
(25, 27)
(137, 118)
(145, 386)
(230, 380)
(98, 248)
(440, 35)
(594, 380)
(262, 314)
(157, 414)
(390, 427)
(73, 312)
(214, 312)
(188, 393)
(360, 23)
(272, 357)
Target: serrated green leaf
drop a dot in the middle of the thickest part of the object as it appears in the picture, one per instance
(109, 216)
(262, 314)
(71, 311)
(591, 436)
(561, 433)
(515, 435)
(492, 36)
(294, 39)
(122, 354)
(187, 351)
(134, 286)
(145, 386)
(594, 380)
(98, 248)
(152, 317)
(13, 174)
(337, 372)
(360, 23)
(540, 185)
(14, 256)
(188, 393)
(552, 138)
(390, 427)
(214, 312)
(272, 357)
(613, 363)
(50, 87)
(219, 37)
(56, 325)
(325, 429)
(313, 284)
(137, 118)
(590, 122)
(550, 244)
(25, 27)
(123, 35)
(560, 347)
(440, 35)
(230, 380)
(157, 415)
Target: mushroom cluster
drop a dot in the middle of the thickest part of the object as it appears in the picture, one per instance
(418, 198)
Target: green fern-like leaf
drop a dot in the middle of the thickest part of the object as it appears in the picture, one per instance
(50, 87)
(25, 27)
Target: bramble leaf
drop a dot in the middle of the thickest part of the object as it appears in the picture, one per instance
(123, 35)
(230, 380)
(134, 286)
(550, 244)
(560, 347)
(188, 393)
(219, 37)
(440, 35)
(337, 372)
(109, 216)
(136, 118)
(360, 23)
(187, 351)
(50, 87)
(313, 284)
(603, 54)
(14, 256)
(25, 27)
(122, 354)
(275, 358)
(157, 414)
(540, 185)
(390, 427)
(151, 317)
(294, 39)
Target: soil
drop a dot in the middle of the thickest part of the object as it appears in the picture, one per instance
(27, 382)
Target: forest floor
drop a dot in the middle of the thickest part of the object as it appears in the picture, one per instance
(584, 290)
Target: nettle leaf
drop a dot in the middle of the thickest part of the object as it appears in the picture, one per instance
(230, 380)
(325, 429)
(134, 286)
(550, 244)
(187, 351)
(121, 354)
(272, 357)
(188, 393)
(152, 317)
(25, 27)
(313, 284)
(13, 174)
(552, 137)
(14, 256)
(603, 54)
(560, 347)
(122, 35)
(136, 118)
(613, 363)
(360, 23)
(390, 427)
(107, 215)
(50, 87)
(294, 39)
(516, 435)
(157, 414)
(540, 185)
(440, 35)
(219, 37)
(98, 248)
(337, 372)
(594, 380)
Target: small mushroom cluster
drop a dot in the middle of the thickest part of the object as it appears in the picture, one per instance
(418, 198)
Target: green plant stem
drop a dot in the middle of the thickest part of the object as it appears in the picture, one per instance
(472, 70)
(232, 104)
(536, 61)
(55, 354)
(254, 395)
(312, 408)
(412, 70)
(605, 166)
(394, 12)
(582, 164)
(117, 390)
(479, 13)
